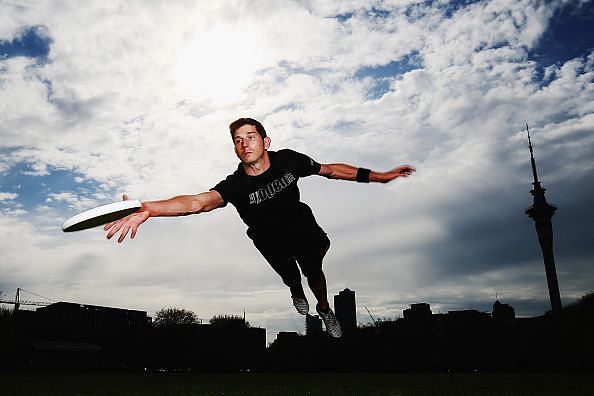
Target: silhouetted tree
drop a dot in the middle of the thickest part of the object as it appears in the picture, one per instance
(5, 326)
(171, 317)
(5, 315)
(227, 321)
(4, 312)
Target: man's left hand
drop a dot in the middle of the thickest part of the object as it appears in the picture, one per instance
(385, 177)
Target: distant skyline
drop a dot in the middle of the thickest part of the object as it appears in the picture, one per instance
(111, 97)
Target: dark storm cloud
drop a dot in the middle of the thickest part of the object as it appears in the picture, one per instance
(483, 235)
(574, 217)
(490, 231)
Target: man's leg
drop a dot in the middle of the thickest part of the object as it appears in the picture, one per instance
(286, 266)
(317, 284)
(317, 281)
(298, 296)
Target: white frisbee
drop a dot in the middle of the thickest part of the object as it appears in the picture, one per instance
(100, 215)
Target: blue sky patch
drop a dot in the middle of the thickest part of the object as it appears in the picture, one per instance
(393, 69)
(33, 190)
(419, 10)
(344, 17)
(385, 74)
(373, 13)
(32, 43)
(379, 88)
(569, 35)
(377, 13)
(451, 8)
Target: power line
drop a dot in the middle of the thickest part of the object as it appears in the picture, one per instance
(37, 295)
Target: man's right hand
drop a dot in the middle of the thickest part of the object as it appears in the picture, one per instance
(181, 205)
(127, 224)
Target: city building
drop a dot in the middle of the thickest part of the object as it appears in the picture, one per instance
(418, 312)
(503, 313)
(313, 325)
(346, 310)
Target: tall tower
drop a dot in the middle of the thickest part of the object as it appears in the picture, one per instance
(541, 212)
(346, 311)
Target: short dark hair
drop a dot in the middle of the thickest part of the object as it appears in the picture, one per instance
(235, 125)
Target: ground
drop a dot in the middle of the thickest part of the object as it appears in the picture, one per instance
(181, 383)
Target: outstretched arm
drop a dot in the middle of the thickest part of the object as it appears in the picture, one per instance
(349, 172)
(182, 205)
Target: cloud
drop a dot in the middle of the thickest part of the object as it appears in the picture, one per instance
(4, 196)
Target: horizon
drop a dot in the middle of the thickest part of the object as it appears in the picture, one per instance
(201, 320)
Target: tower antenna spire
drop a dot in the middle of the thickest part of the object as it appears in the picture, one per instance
(541, 213)
(532, 161)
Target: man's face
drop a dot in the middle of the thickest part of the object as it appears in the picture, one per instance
(249, 145)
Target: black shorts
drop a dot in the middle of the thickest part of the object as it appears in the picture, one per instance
(302, 242)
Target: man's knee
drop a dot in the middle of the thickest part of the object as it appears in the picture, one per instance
(325, 248)
(314, 276)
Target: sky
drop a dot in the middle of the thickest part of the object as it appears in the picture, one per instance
(110, 97)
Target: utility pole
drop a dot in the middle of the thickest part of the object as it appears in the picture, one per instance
(17, 299)
(541, 212)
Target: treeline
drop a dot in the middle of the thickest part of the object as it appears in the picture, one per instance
(175, 317)
(89, 337)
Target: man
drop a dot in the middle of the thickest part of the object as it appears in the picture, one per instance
(264, 191)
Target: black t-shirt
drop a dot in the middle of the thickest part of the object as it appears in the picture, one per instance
(270, 201)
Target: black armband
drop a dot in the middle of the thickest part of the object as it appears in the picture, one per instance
(363, 175)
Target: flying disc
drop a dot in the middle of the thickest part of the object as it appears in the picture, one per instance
(100, 215)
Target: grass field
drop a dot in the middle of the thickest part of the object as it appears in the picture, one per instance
(128, 383)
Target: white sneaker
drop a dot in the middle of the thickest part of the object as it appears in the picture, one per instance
(332, 325)
(301, 304)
